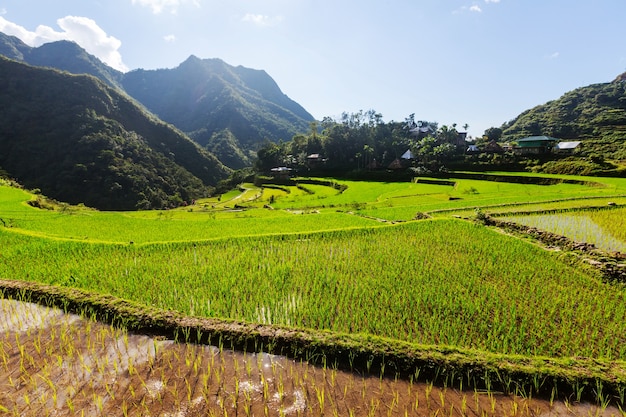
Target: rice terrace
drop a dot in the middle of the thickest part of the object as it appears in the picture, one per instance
(470, 295)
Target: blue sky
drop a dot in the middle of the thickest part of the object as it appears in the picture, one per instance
(475, 62)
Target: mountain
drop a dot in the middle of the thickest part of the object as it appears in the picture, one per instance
(13, 48)
(81, 141)
(68, 56)
(62, 55)
(229, 110)
(595, 114)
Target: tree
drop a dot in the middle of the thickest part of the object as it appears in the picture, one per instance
(410, 121)
(447, 134)
(356, 139)
(493, 134)
(270, 155)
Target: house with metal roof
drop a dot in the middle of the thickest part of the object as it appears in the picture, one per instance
(535, 145)
(281, 172)
(567, 147)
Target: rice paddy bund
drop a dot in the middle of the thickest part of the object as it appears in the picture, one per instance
(346, 260)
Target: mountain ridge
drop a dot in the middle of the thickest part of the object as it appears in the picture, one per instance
(62, 55)
(228, 110)
(206, 98)
(81, 141)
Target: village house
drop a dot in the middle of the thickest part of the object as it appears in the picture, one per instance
(535, 145)
(567, 148)
(314, 160)
(281, 172)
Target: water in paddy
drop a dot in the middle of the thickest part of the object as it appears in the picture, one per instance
(64, 365)
(578, 228)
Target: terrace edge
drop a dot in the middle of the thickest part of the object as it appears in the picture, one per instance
(589, 379)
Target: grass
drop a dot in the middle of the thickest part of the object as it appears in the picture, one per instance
(164, 226)
(614, 222)
(241, 212)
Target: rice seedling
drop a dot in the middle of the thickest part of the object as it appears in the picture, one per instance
(481, 275)
(603, 228)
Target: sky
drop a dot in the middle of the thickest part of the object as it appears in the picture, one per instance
(466, 62)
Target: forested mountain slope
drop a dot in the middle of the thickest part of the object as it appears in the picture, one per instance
(595, 114)
(228, 110)
(80, 141)
(62, 55)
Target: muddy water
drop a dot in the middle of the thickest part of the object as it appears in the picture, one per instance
(63, 365)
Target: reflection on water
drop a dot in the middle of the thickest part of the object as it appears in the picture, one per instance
(577, 228)
(62, 365)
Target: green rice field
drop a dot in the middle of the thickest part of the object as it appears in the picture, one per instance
(434, 282)
(606, 229)
(349, 260)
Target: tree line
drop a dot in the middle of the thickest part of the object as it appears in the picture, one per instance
(363, 140)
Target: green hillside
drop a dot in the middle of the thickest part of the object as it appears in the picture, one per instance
(212, 101)
(80, 141)
(595, 114)
(228, 110)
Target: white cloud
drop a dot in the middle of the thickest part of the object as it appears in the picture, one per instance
(159, 6)
(262, 20)
(554, 55)
(475, 8)
(82, 30)
(169, 38)
(464, 9)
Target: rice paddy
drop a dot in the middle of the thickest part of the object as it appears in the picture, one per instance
(56, 364)
(605, 229)
(342, 260)
(390, 282)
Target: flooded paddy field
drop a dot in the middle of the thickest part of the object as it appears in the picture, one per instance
(603, 231)
(57, 364)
